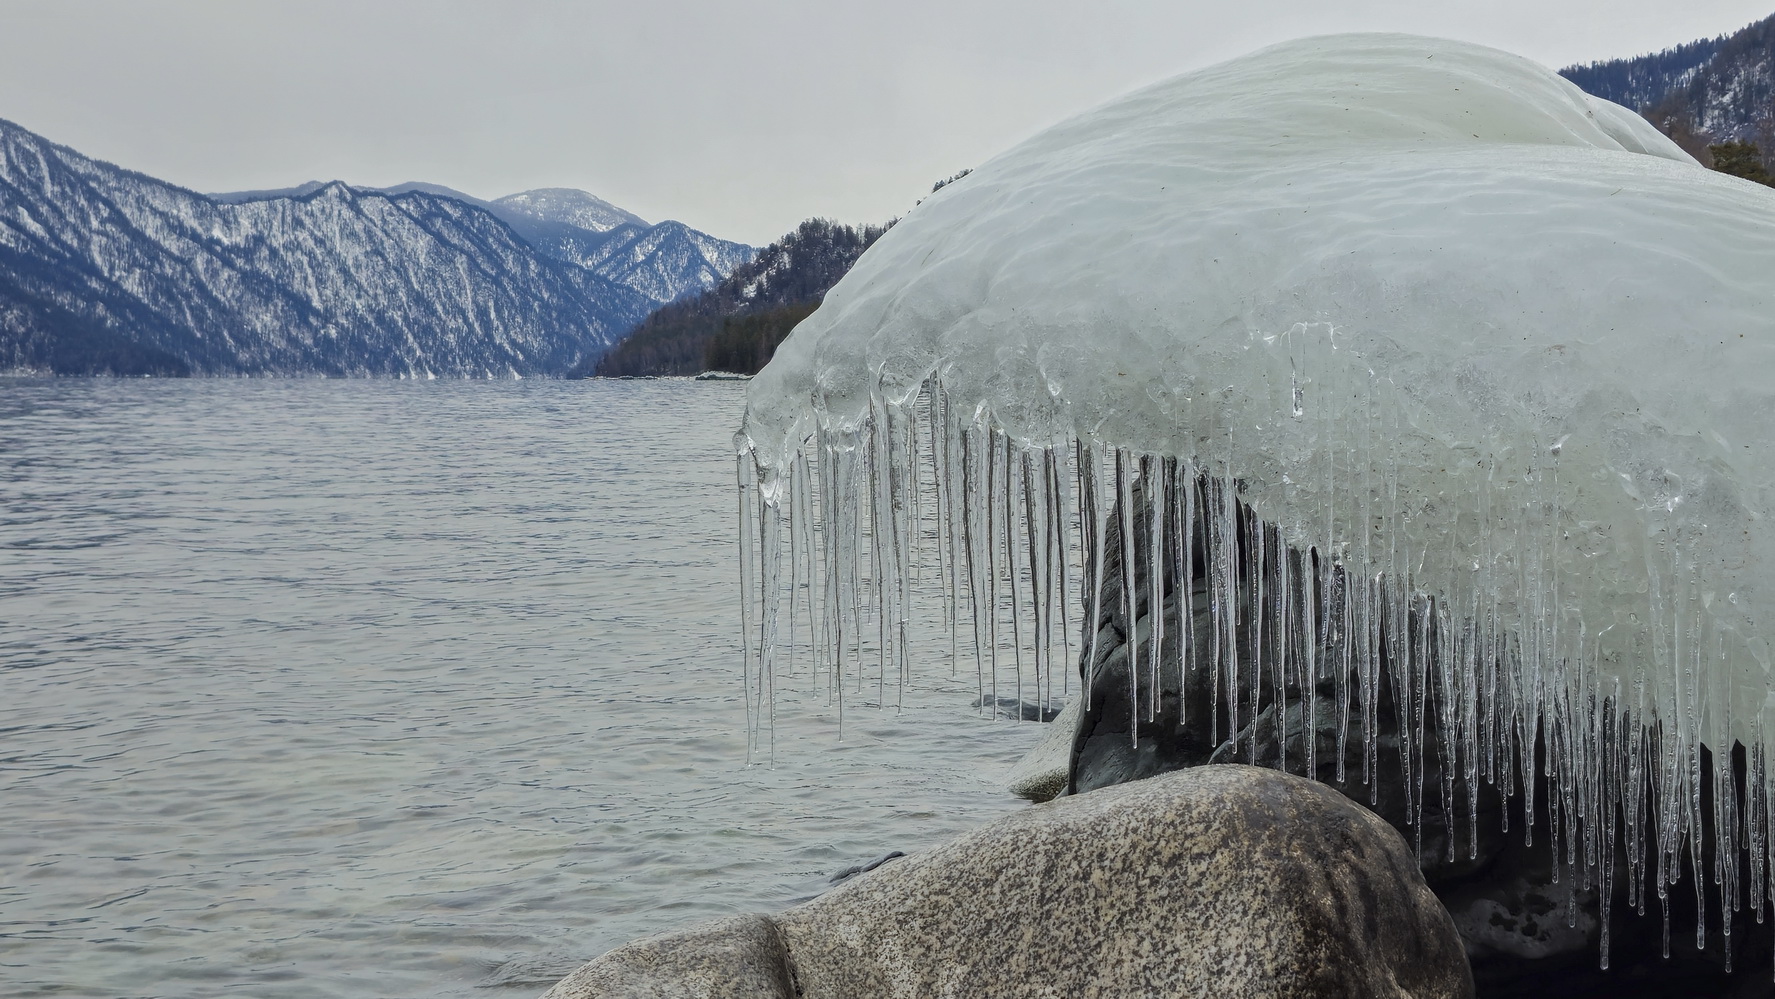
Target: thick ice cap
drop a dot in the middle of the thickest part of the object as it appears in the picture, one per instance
(1359, 263)
(1199, 202)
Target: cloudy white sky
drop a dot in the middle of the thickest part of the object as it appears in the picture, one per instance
(738, 118)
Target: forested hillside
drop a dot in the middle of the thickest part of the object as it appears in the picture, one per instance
(736, 325)
(1643, 81)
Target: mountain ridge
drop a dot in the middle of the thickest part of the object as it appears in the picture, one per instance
(664, 261)
(106, 270)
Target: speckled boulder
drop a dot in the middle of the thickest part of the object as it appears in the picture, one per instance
(740, 957)
(1224, 881)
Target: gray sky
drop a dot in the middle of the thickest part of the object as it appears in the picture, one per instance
(738, 118)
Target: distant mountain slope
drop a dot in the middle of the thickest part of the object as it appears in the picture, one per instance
(104, 270)
(1732, 95)
(1643, 81)
(564, 204)
(1700, 93)
(737, 324)
(664, 262)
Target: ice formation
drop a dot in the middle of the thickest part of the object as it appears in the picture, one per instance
(1490, 361)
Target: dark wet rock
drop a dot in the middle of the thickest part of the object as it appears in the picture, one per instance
(1011, 707)
(1218, 881)
(856, 869)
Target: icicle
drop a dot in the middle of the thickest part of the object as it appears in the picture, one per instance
(1057, 521)
(1038, 590)
(990, 507)
(1090, 468)
(771, 532)
(853, 487)
(1184, 492)
(806, 523)
(1448, 736)
(1309, 663)
(794, 570)
(1254, 573)
(878, 562)
(1418, 684)
(1756, 820)
(971, 548)
(749, 595)
(832, 615)
(902, 500)
(1153, 486)
(1222, 546)
(1130, 611)
(1341, 602)
(942, 485)
(1470, 635)
(1012, 571)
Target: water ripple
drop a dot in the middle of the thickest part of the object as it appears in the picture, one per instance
(366, 690)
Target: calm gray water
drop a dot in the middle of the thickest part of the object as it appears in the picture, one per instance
(383, 689)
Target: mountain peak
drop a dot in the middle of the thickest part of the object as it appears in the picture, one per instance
(570, 206)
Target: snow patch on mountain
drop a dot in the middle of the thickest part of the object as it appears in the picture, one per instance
(663, 262)
(574, 207)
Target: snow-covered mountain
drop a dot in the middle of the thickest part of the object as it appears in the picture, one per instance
(107, 270)
(564, 204)
(663, 261)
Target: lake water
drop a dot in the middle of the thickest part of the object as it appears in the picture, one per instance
(384, 689)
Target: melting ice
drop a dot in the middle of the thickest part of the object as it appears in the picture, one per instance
(1490, 361)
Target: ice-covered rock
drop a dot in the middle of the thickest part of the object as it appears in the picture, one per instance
(1429, 275)
(1432, 360)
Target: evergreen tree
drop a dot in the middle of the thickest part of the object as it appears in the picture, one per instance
(1741, 159)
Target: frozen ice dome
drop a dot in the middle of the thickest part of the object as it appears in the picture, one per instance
(1431, 310)
(1519, 266)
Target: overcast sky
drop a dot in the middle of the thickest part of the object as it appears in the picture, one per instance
(738, 118)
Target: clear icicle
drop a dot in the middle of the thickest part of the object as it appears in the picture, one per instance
(1154, 486)
(1130, 612)
(1012, 569)
(1090, 471)
(1327, 621)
